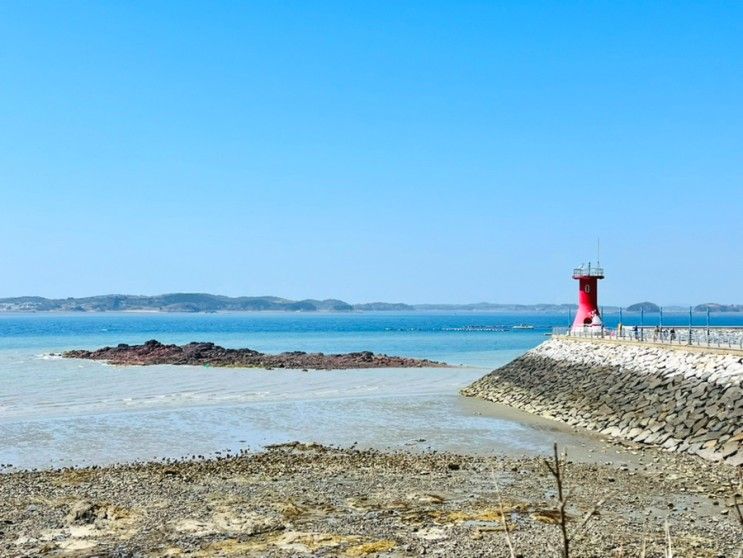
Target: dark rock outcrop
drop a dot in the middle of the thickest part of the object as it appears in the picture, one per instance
(209, 354)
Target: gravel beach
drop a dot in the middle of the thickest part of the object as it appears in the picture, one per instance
(305, 499)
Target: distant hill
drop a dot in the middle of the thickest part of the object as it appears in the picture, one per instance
(203, 302)
(643, 307)
(177, 302)
(714, 307)
(383, 307)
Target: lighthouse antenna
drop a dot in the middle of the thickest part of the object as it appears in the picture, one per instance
(598, 252)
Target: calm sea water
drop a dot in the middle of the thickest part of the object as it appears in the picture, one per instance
(60, 412)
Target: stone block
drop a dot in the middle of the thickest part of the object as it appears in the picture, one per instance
(729, 448)
(709, 455)
(736, 459)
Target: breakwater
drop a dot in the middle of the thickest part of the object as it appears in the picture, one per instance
(685, 400)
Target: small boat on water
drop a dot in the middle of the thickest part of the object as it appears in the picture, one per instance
(523, 326)
(478, 328)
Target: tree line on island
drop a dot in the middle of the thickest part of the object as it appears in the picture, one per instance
(202, 302)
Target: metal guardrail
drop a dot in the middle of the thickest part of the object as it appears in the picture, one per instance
(713, 337)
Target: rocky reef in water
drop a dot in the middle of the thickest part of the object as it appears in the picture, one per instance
(203, 354)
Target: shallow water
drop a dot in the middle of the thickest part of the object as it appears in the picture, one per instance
(57, 411)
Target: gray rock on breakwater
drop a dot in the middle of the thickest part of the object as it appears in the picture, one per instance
(685, 401)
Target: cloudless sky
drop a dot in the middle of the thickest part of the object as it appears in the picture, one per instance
(399, 151)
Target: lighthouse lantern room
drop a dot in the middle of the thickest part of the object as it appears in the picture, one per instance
(588, 314)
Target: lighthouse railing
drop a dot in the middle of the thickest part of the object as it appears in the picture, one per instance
(588, 272)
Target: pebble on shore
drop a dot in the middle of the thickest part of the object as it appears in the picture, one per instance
(306, 499)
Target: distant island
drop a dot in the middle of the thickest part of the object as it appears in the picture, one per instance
(202, 302)
(714, 307)
(181, 302)
(643, 307)
(651, 307)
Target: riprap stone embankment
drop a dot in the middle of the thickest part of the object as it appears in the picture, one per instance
(683, 400)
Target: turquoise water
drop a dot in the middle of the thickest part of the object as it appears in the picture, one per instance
(418, 335)
(66, 412)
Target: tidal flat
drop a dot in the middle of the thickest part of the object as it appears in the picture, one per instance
(306, 499)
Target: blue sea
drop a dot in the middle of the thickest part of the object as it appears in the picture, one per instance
(59, 412)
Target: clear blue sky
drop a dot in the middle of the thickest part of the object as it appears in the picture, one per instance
(398, 151)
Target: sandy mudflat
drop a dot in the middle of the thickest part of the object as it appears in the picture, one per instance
(300, 499)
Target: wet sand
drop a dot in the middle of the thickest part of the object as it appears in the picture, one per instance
(98, 415)
(299, 499)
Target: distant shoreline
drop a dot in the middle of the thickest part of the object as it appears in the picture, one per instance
(607, 311)
(209, 303)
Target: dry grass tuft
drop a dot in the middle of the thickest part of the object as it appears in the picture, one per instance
(371, 548)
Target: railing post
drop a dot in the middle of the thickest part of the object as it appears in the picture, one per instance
(690, 319)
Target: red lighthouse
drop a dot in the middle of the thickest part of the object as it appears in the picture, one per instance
(588, 314)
